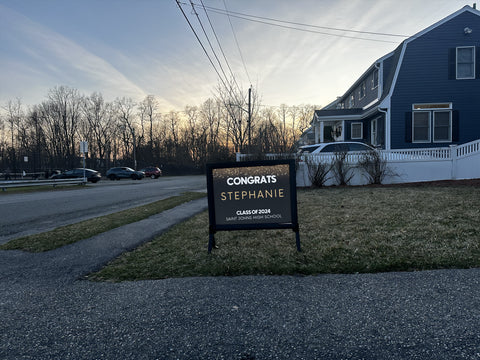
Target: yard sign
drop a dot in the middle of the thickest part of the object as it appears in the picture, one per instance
(252, 195)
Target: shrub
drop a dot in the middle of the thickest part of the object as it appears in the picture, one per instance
(318, 172)
(342, 171)
(375, 167)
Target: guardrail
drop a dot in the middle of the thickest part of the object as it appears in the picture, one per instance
(4, 185)
(24, 175)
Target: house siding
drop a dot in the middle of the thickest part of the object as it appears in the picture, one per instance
(367, 129)
(370, 94)
(425, 77)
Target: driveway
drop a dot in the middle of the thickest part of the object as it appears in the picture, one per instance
(48, 310)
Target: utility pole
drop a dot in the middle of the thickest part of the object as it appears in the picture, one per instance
(249, 117)
(134, 150)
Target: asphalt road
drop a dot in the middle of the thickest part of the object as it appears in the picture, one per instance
(28, 213)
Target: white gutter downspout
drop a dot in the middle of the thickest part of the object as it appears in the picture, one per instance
(387, 127)
(379, 67)
(385, 111)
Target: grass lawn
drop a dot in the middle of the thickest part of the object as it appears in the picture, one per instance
(342, 230)
(83, 230)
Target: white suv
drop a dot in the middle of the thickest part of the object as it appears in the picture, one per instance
(334, 147)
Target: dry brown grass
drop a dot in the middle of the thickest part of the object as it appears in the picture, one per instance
(342, 230)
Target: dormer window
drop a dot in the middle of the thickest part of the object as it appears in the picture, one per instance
(351, 101)
(375, 79)
(363, 90)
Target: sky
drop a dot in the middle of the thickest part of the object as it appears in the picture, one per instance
(135, 48)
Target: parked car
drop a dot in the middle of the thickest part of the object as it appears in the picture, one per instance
(91, 175)
(334, 147)
(152, 171)
(118, 173)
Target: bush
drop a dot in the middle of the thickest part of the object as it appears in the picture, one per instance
(318, 172)
(342, 171)
(375, 167)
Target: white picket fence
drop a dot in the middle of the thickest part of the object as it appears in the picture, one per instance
(405, 165)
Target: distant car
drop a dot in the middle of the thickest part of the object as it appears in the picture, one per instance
(118, 173)
(91, 175)
(152, 171)
(334, 147)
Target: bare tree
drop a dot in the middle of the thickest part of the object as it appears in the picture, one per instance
(14, 115)
(64, 108)
(283, 112)
(125, 110)
(211, 122)
(148, 112)
(98, 128)
(195, 135)
(240, 122)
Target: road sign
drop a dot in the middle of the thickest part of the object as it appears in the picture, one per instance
(84, 147)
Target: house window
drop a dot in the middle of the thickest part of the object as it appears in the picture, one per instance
(432, 121)
(466, 62)
(421, 126)
(375, 79)
(357, 130)
(442, 126)
(351, 101)
(363, 90)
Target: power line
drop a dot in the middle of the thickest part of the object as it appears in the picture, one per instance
(201, 44)
(308, 30)
(308, 25)
(208, 39)
(236, 42)
(220, 46)
(278, 23)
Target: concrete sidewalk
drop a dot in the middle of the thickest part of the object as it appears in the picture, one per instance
(47, 313)
(70, 262)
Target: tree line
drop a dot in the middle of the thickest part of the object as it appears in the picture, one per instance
(46, 136)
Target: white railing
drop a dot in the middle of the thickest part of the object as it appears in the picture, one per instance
(410, 165)
(468, 148)
(439, 153)
(417, 154)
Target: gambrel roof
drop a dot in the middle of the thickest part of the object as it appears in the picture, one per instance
(393, 62)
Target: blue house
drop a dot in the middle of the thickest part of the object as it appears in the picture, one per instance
(426, 93)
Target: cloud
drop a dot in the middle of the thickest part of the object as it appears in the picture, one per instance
(51, 57)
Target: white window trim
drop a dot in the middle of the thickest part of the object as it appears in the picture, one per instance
(431, 106)
(374, 86)
(450, 127)
(429, 128)
(361, 131)
(456, 63)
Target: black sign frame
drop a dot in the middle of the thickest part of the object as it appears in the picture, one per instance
(292, 222)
